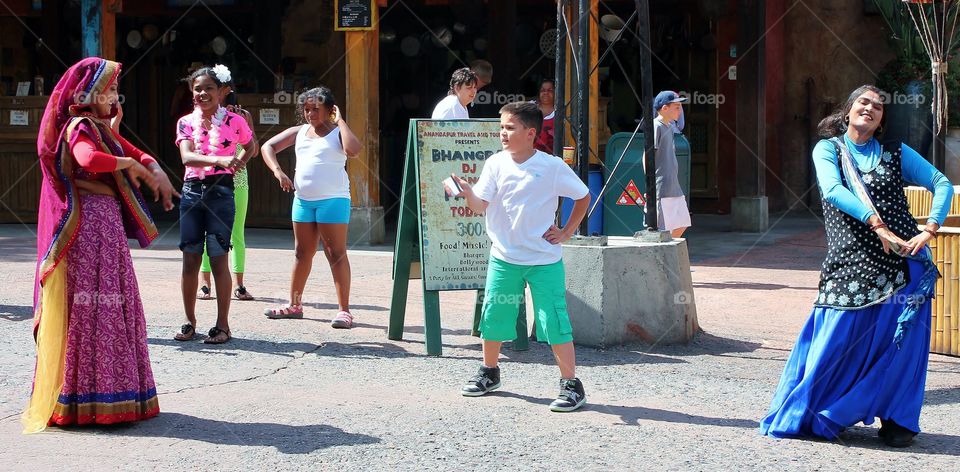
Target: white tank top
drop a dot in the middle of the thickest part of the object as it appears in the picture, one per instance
(321, 166)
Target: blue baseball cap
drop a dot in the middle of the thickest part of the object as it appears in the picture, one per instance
(665, 97)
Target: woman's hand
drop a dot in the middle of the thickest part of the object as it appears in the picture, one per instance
(115, 121)
(165, 190)
(285, 183)
(892, 242)
(918, 242)
(141, 175)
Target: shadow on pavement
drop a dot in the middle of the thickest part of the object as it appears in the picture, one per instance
(942, 396)
(16, 312)
(323, 306)
(632, 415)
(708, 344)
(925, 443)
(747, 286)
(287, 439)
(285, 349)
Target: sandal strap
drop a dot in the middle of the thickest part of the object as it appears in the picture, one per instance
(241, 289)
(344, 315)
(205, 289)
(215, 331)
(186, 328)
(287, 309)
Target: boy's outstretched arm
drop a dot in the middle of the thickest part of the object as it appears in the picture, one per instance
(556, 235)
(477, 204)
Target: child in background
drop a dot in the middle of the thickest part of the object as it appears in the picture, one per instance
(672, 212)
(463, 88)
(518, 190)
(241, 197)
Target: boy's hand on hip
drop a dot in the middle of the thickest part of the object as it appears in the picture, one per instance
(556, 235)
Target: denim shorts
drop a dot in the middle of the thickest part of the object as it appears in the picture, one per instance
(206, 215)
(326, 211)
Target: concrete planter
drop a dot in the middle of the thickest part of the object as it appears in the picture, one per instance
(630, 291)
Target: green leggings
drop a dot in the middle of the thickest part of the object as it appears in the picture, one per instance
(238, 253)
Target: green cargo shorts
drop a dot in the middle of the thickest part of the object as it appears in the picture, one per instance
(504, 292)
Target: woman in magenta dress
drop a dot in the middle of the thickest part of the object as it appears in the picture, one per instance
(93, 365)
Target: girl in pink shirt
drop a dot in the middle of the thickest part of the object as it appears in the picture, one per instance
(208, 139)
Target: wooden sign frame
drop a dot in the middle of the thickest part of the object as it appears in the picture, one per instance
(410, 238)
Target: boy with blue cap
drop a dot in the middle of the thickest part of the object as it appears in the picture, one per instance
(672, 212)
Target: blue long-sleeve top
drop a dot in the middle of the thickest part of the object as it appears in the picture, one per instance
(915, 169)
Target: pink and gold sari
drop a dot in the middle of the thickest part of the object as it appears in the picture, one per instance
(93, 365)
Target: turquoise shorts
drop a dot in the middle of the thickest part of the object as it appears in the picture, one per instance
(504, 293)
(327, 211)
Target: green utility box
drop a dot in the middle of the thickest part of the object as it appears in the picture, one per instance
(622, 216)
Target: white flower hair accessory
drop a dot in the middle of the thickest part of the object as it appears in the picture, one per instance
(222, 73)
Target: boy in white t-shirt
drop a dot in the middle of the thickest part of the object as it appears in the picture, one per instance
(518, 189)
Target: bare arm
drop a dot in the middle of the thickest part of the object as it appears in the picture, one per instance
(255, 146)
(191, 158)
(556, 235)
(269, 150)
(477, 204)
(351, 145)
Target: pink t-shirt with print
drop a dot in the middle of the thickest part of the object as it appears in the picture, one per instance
(233, 131)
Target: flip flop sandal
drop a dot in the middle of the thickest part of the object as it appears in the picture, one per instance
(241, 293)
(214, 334)
(284, 312)
(344, 320)
(204, 293)
(187, 332)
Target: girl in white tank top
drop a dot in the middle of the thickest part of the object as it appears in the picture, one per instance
(321, 166)
(321, 208)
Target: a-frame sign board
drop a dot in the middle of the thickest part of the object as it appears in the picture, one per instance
(451, 239)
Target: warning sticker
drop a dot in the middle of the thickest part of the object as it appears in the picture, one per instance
(631, 196)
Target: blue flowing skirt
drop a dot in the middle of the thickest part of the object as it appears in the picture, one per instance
(846, 368)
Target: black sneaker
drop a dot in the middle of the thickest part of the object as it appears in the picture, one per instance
(486, 380)
(894, 435)
(571, 396)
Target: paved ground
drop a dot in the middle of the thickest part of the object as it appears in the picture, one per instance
(297, 395)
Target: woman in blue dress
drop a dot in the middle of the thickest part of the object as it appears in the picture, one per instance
(863, 352)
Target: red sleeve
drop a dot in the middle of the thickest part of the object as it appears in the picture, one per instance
(129, 150)
(85, 152)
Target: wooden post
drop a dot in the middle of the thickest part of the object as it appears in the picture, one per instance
(99, 27)
(363, 114)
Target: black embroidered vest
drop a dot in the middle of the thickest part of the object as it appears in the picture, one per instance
(856, 272)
